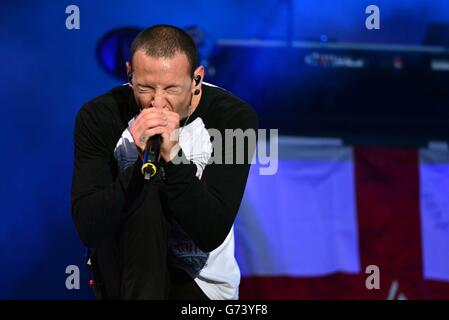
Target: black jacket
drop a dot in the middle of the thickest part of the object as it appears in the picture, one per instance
(123, 220)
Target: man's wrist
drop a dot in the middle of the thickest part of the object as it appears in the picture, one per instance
(169, 156)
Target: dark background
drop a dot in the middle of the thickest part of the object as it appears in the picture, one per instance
(49, 72)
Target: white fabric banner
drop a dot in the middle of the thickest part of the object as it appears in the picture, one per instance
(434, 189)
(302, 220)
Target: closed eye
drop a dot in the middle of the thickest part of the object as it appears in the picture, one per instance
(145, 89)
(173, 89)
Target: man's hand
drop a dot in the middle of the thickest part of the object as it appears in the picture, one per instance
(152, 121)
(148, 123)
(170, 136)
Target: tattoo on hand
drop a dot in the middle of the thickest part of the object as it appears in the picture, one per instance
(143, 138)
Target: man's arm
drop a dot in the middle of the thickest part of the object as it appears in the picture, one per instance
(206, 209)
(101, 198)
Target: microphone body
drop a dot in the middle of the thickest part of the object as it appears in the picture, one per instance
(151, 156)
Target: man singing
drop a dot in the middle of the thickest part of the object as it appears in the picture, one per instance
(171, 237)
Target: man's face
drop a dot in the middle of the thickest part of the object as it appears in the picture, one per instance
(163, 83)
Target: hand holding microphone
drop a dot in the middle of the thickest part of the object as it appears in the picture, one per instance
(155, 134)
(151, 157)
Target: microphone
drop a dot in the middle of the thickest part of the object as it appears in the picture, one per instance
(151, 156)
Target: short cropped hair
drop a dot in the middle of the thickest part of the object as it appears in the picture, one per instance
(164, 41)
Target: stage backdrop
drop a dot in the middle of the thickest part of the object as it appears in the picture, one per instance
(331, 211)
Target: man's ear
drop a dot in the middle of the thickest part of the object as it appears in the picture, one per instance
(198, 72)
(128, 67)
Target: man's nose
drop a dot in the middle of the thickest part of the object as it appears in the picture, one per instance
(159, 101)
